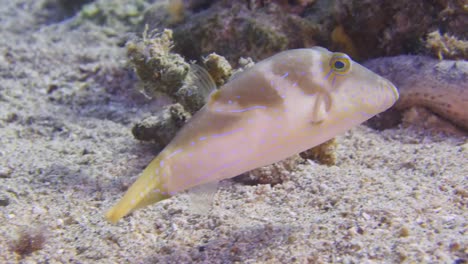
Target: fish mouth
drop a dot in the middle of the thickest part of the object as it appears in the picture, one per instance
(389, 85)
(395, 91)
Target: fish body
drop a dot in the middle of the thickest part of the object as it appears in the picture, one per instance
(283, 105)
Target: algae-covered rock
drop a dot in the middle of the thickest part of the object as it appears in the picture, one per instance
(218, 67)
(158, 68)
(446, 46)
(191, 96)
(164, 72)
(258, 29)
(119, 14)
(238, 29)
(58, 10)
(381, 27)
(161, 127)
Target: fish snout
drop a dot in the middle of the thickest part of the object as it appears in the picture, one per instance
(389, 86)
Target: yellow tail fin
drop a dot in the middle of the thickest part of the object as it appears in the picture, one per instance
(146, 190)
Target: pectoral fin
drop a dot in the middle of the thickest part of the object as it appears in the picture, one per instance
(202, 80)
(321, 107)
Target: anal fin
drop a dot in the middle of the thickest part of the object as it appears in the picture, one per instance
(201, 197)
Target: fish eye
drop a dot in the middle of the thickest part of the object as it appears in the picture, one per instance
(340, 63)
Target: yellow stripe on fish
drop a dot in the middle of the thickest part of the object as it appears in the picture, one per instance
(283, 105)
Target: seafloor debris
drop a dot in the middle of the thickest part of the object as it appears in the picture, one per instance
(28, 240)
(323, 153)
(272, 174)
(440, 86)
(280, 171)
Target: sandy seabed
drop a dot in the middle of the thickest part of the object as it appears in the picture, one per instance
(67, 104)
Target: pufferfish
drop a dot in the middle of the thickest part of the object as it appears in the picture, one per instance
(281, 106)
